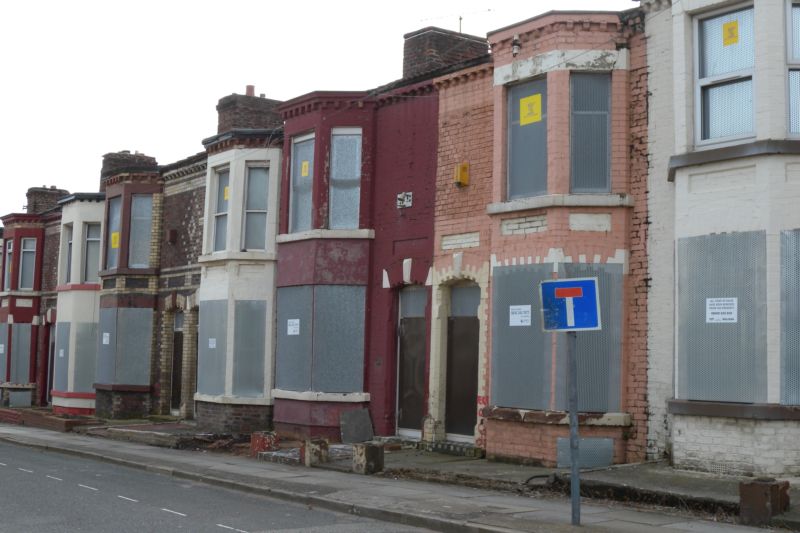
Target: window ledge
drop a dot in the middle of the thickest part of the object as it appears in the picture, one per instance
(327, 234)
(737, 151)
(560, 418)
(560, 200)
(218, 257)
(314, 396)
(757, 411)
(237, 400)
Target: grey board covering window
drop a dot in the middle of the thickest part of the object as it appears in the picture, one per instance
(255, 208)
(590, 133)
(528, 372)
(726, 55)
(27, 263)
(8, 264)
(221, 211)
(68, 266)
(141, 225)
(794, 73)
(724, 361)
(91, 256)
(527, 139)
(302, 178)
(114, 228)
(345, 184)
(790, 317)
(320, 338)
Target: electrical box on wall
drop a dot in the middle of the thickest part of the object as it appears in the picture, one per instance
(461, 175)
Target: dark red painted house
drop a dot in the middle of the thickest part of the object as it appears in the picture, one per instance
(355, 246)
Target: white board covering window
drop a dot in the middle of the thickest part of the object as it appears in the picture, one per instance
(302, 179)
(345, 183)
(27, 263)
(221, 210)
(141, 225)
(255, 208)
(724, 89)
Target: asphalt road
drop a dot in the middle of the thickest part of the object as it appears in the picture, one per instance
(46, 492)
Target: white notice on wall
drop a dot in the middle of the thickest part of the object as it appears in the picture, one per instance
(2, 348)
(61, 352)
(212, 343)
(722, 310)
(519, 315)
(293, 326)
(106, 338)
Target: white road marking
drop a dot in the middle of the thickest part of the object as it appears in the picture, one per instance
(87, 487)
(232, 528)
(128, 499)
(173, 512)
(56, 478)
(25, 470)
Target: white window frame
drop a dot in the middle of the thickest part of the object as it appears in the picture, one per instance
(214, 214)
(245, 211)
(85, 251)
(295, 140)
(721, 79)
(22, 252)
(334, 133)
(792, 64)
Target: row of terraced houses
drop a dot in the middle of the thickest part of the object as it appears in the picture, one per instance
(382, 249)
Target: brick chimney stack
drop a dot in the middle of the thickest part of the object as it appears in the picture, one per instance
(247, 111)
(125, 161)
(431, 49)
(41, 199)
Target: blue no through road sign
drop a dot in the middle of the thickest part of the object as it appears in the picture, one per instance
(570, 304)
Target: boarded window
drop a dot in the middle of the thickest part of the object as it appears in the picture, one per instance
(9, 264)
(722, 314)
(221, 211)
(345, 184)
(141, 225)
(794, 71)
(68, 259)
(27, 263)
(790, 317)
(590, 132)
(91, 256)
(302, 176)
(255, 208)
(114, 229)
(527, 139)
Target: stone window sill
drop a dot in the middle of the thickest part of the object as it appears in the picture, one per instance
(756, 411)
(327, 234)
(218, 257)
(314, 396)
(527, 416)
(560, 200)
(237, 400)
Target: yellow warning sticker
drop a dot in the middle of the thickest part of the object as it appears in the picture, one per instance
(530, 109)
(226, 193)
(304, 169)
(730, 33)
(115, 239)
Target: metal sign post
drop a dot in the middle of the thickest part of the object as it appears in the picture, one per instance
(571, 305)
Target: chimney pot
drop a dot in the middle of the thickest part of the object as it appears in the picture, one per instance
(250, 90)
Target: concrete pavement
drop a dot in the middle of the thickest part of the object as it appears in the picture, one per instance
(413, 503)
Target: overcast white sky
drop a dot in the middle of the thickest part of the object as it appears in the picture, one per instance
(83, 78)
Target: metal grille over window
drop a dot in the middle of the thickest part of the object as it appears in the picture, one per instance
(302, 179)
(91, 262)
(345, 186)
(255, 218)
(590, 132)
(141, 225)
(790, 317)
(114, 227)
(221, 211)
(527, 139)
(27, 262)
(794, 71)
(725, 74)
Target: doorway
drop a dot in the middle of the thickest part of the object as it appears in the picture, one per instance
(461, 389)
(411, 337)
(177, 364)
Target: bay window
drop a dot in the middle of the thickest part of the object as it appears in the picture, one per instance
(255, 208)
(27, 264)
(9, 265)
(114, 231)
(221, 210)
(141, 225)
(527, 139)
(345, 182)
(302, 178)
(91, 254)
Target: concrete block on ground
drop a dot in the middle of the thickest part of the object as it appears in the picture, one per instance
(761, 499)
(313, 452)
(367, 457)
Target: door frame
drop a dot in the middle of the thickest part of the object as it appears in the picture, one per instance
(413, 434)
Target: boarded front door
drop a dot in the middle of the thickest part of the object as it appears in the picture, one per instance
(461, 401)
(177, 362)
(411, 358)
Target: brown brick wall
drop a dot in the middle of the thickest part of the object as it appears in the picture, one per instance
(50, 249)
(233, 418)
(430, 49)
(240, 111)
(118, 404)
(183, 224)
(41, 199)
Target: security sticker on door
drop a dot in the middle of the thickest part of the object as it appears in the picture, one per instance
(722, 310)
(519, 315)
(293, 326)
